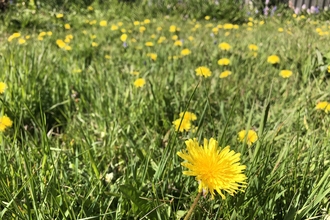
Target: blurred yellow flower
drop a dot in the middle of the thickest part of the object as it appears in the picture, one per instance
(21, 41)
(67, 26)
(107, 57)
(153, 56)
(185, 52)
(103, 23)
(224, 62)
(224, 74)
(114, 27)
(161, 39)
(136, 23)
(67, 47)
(178, 43)
(280, 29)
(273, 59)
(228, 26)
(142, 29)
(146, 21)
(90, 8)
(149, 44)
(285, 73)
(140, 82)
(224, 46)
(328, 69)
(60, 43)
(249, 137)
(59, 15)
(3, 87)
(175, 37)
(185, 125)
(207, 17)
(323, 106)
(94, 44)
(5, 122)
(172, 28)
(253, 47)
(214, 168)
(203, 71)
(123, 37)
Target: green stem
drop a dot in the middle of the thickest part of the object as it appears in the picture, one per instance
(193, 206)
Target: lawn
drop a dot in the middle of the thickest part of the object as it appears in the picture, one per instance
(99, 112)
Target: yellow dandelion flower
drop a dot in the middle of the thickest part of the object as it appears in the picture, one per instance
(285, 73)
(21, 41)
(224, 62)
(178, 43)
(214, 168)
(114, 27)
(94, 44)
(42, 34)
(153, 56)
(161, 39)
(146, 21)
(140, 82)
(136, 23)
(60, 43)
(185, 52)
(5, 122)
(203, 71)
(249, 136)
(59, 15)
(328, 69)
(273, 59)
(142, 29)
(149, 44)
(90, 8)
(123, 37)
(224, 74)
(67, 47)
(92, 22)
(224, 46)
(67, 26)
(108, 57)
(136, 73)
(190, 38)
(3, 87)
(103, 23)
(323, 106)
(182, 125)
(207, 17)
(172, 28)
(228, 26)
(280, 29)
(253, 47)
(188, 116)
(49, 33)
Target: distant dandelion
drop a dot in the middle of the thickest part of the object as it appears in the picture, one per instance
(178, 43)
(251, 137)
(94, 44)
(5, 122)
(172, 28)
(207, 17)
(140, 82)
(224, 62)
(253, 47)
(153, 56)
(323, 106)
(214, 168)
(273, 59)
(285, 73)
(67, 26)
(123, 37)
(225, 74)
(103, 23)
(114, 27)
(149, 44)
(185, 52)
(203, 71)
(224, 46)
(3, 87)
(59, 15)
(182, 125)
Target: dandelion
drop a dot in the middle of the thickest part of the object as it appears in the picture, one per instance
(285, 73)
(60, 43)
(142, 29)
(188, 116)
(94, 44)
(3, 87)
(103, 23)
(203, 71)
(225, 74)
(253, 47)
(123, 37)
(108, 57)
(323, 106)
(178, 43)
(90, 8)
(67, 26)
(215, 169)
(114, 27)
(273, 59)
(280, 30)
(207, 17)
(136, 23)
(224, 62)
(5, 122)
(251, 137)
(175, 37)
(67, 47)
(149, 44)
(139, 82)
(49, 33)
(146, 21)
(172, 28)
(328, 69)
(161, 39)
(190, 38)
(21, 41)
(185, 52)
(59, 15)
(182, 125)
(224, 46)
(153, 56)
(228, 26)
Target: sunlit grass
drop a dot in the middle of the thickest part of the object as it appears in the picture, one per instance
(97, 103)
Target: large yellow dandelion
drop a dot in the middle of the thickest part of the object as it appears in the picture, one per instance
(203, 71)
(215, 169)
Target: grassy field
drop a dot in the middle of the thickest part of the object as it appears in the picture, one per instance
(95, 102)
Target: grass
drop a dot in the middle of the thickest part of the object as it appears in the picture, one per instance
(87, 144)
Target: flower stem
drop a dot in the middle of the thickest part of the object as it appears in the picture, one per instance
(193, 206)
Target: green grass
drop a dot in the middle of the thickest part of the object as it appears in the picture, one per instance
(86, 144)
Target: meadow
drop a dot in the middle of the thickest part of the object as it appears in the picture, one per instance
(95, 107)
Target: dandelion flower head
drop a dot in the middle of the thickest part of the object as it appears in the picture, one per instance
(224, 46)
(285, 73)
(273, 59)
(5, 122)
(215, 169)
(3, 87)
(224, 62)
(203, 71)
(139, 82)
(323, 106)
(251, 136)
